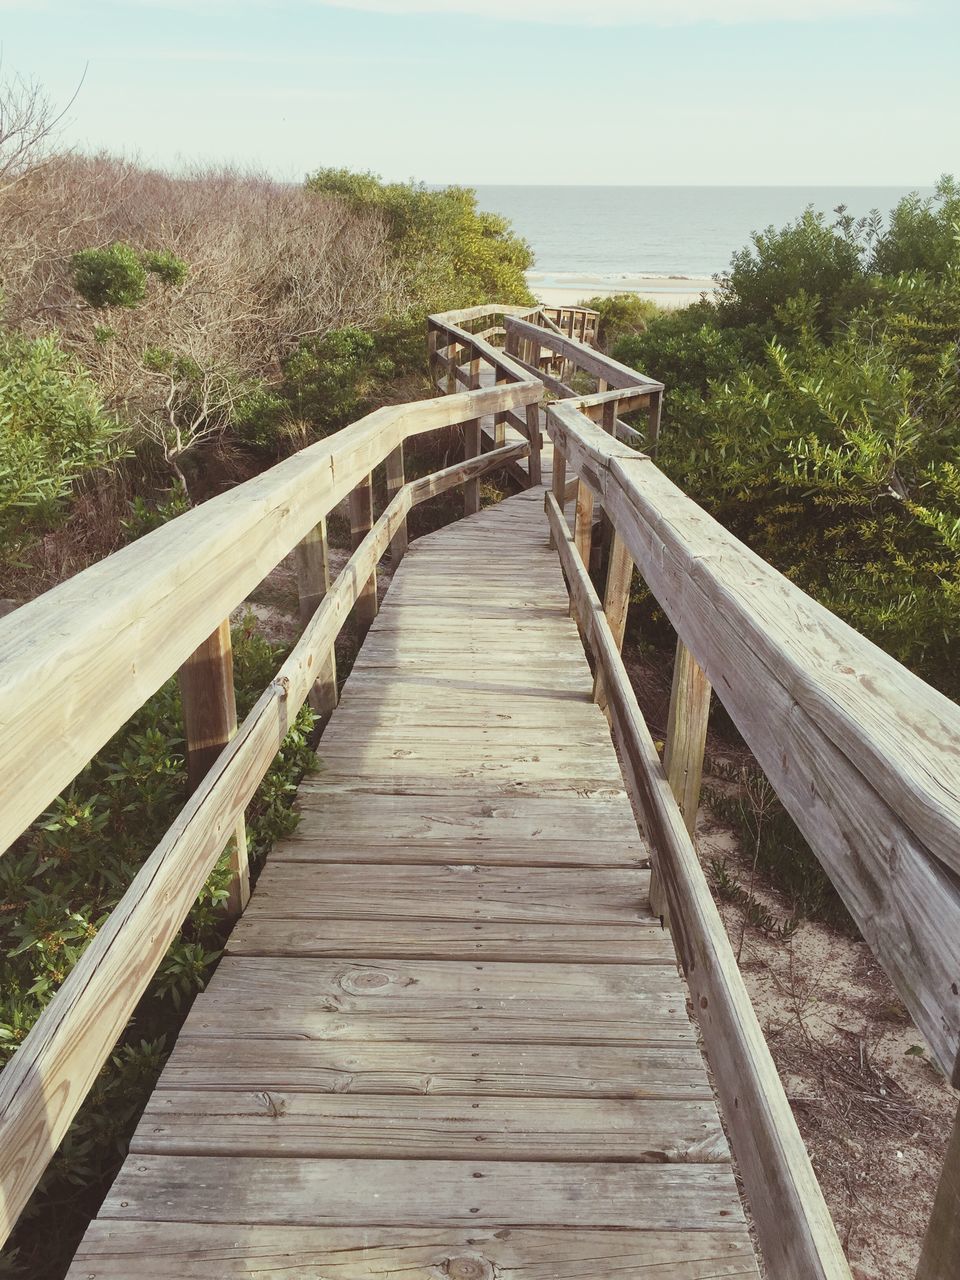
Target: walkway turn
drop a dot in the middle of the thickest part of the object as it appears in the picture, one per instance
(448, 1040)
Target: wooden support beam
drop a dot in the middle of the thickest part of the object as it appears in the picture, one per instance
(313, 583)
(559, 481)
(395, 482)
(209, 722)
(533, 435)
(616, 602)
(361, 522)
(654, 410)
(687, 733)
(452, 357)
(472, 447)
(683, 753)
(940, 1255)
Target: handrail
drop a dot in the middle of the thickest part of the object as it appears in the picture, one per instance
(79, 660)
(796, 1232)
(864, 755)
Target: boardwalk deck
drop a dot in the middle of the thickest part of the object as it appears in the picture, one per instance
(448, 1038)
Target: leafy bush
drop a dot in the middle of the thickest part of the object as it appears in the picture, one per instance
(815, 412)
(448, 252)
(166, 266)
(53, 432)
(110, 277)
(621, 315)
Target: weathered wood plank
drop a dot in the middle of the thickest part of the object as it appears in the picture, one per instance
(689, 1197)
(180, 1251)
(272, 1123)
(471, 893)
(661, 1063)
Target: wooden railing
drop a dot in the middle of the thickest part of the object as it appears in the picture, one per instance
(77, 662)
(864, 756)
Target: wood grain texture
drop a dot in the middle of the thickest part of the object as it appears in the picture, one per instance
(142, 1250)
(298, 1192)
(275, 1123)
(662, 1062)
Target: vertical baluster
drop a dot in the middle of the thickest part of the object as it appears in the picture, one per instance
(395, 482)
(654, 410)
(559, 481)
(940, 1255)
(533, 435)
(313, 583)
(361, 522)
(616, 602)
(453, 355)
(685, 746)
(500, 419)
(210, 721)
(472, 447)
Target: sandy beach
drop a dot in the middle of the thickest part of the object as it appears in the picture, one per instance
(669, 294)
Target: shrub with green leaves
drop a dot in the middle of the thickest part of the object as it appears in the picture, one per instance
(450, 253)
(54, 431)
(111, 277)
(621, 315)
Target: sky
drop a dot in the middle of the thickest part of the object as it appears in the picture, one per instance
(622, 92)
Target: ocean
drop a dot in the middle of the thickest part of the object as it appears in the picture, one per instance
(623, 238)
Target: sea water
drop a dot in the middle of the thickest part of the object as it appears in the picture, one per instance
(602, 238)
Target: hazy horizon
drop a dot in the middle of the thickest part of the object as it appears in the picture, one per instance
(640, 92)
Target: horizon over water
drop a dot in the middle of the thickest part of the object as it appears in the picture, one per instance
(622, 238)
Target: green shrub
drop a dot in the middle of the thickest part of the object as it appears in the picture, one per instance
(110, 277)
(450, 254)
(53, 432)
(166, 266)
(621, 315)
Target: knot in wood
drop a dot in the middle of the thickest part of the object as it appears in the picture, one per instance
(367, 980)
(467, 1268)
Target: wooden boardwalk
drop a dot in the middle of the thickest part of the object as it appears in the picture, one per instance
(448, 1040)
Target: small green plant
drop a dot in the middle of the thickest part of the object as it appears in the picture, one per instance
(54, 432)
(166, 266)
(110, 277)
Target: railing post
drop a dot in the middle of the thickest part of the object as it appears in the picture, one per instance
(432, 344)
(395, 482)
(472, 447)
(940, 1255)
(313, 583)
(534, 469)
(361, 522)
(616, 602)
(209, 722)
(558, 482)
(583, 524)
(654, 410)
(453, 351)
(500, 421)
(684, 750)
